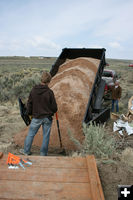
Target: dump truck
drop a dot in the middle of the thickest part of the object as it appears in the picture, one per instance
(79, 89)
(95, 111)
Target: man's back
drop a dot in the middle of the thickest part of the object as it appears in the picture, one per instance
(41, 102)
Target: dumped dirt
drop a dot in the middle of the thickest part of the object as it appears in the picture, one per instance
(72, 86)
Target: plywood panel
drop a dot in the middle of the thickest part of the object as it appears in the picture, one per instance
(47, 175)
(51, 178)
(42, 190)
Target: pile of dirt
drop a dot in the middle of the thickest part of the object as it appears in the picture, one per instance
(72, 86)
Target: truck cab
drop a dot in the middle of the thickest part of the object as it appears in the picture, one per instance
(109, 76)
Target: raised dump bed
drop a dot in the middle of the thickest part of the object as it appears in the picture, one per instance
(51, 178)
(94, 110)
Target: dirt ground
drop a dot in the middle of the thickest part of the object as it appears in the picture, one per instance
(113, 172)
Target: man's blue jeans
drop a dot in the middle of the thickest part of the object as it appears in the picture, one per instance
(115, 103)
(34, 127)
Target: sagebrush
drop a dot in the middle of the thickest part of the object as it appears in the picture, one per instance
(97, 142)
(17, 84)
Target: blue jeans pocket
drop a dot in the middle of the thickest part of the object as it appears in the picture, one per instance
(47, 121)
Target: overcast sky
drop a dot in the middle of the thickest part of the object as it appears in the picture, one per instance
(45, 27)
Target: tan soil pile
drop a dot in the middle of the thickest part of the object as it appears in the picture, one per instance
(72, 86)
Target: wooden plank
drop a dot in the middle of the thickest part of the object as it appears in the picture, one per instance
(52, 162)
(48, 191)
(45, 175)
(61, 178)
(12, 199)
(95, 184)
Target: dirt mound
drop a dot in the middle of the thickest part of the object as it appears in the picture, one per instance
(72, 86)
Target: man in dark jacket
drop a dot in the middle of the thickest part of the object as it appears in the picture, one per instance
(42, 106)
(116, 95)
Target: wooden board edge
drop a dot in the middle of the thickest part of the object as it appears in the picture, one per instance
(93, 173)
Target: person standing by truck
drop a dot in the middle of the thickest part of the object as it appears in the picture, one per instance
(41, 106)
(116, 95)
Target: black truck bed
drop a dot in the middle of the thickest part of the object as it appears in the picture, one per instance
(94, 109)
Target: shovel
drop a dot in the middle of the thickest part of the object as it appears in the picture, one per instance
(57, 121)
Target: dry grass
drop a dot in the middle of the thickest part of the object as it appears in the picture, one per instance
(127, 156)
(10, 123)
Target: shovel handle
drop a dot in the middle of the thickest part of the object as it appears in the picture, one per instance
(58, 129)
(56, 116)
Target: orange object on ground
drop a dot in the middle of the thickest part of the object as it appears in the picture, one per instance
(49, 178)
(16, 160)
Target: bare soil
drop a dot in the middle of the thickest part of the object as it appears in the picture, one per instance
(113, 174)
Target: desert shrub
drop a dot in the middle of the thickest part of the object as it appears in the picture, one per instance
(17, 84)
(96, 142)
